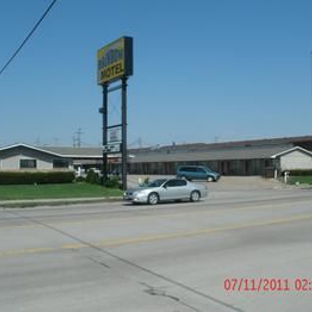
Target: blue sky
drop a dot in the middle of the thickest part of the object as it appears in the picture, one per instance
(204, 70)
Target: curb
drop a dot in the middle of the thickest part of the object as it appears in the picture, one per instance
(55, 202)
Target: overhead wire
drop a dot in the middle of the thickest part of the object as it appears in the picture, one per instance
(28, 37)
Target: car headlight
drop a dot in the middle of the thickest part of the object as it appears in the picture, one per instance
(139, 194)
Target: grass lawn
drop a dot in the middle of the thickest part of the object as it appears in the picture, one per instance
(54, 191)
(301, 179)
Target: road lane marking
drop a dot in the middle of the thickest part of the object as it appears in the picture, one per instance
(18, 252)
(157, 237)
(126, 241)
(144, 217)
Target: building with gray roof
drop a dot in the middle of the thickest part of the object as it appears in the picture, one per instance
(253, 157)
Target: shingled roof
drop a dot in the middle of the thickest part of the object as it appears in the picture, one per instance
(251, 149)
(295, 141)
(73, 152)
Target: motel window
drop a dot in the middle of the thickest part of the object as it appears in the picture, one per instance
(28, 163)
(60, 163)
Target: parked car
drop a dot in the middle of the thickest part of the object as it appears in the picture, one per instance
(198, 173)
(166, 190)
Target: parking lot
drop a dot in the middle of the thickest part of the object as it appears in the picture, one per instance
(246, 248)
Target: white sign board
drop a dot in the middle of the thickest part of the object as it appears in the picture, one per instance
(114, 135)
(112, 148)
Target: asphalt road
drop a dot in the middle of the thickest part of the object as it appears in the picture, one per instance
(248, 247)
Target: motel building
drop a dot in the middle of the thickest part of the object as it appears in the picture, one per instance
(265, 157)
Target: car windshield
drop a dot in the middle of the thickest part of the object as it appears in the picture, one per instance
(156, 183)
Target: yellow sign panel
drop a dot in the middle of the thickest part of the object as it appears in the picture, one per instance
(115, 60)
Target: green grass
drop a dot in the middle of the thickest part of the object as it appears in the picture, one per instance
(55, 191)
(300, 179)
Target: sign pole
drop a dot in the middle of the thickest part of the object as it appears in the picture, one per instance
(124, 157)
(115, 62)
(105, 121)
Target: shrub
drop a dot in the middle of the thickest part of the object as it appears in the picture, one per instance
(80, 179)
(93, 177)
(112, 182)
(38, 177)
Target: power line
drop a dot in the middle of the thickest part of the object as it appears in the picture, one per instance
(28, 37)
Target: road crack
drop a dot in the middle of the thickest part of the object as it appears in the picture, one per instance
(158, 291)
(98, 262)
(138, 267)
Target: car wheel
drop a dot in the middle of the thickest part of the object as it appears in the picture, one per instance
(195, 196)
(210, 179)
(153, 199)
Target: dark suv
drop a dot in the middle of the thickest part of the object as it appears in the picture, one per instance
(197, 173)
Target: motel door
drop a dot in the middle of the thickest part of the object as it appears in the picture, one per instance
(225, 167)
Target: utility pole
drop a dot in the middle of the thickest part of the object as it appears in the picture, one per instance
(77, 138)
(74, 140)
(79, 132)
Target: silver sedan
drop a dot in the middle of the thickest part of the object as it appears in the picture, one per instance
(166, 190)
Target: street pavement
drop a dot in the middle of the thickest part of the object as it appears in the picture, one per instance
(246, 248)
(232, 183)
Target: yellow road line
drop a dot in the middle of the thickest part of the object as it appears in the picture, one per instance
(144, 217)
(140, 239)
(158, 237)
(19, 252)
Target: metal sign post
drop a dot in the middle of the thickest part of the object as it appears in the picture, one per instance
(115, 62)
(105, 121)
(124, 155)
